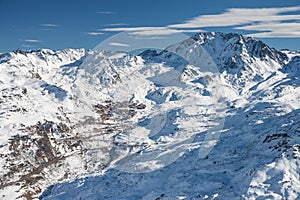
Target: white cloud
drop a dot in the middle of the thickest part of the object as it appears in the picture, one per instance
(190, 30)
(94, 33)
(32, 41)
(117, 24)
(239, 16)
(274, 30)
(118, 44)
(268, 22)
(50, 25)
(149, 31)
(130, 29)
(145, 31)
(105, 12)
(276, 34)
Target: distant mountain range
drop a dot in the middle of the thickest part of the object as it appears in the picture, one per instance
(213, 117)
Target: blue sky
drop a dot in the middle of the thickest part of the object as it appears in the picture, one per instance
(55, 24)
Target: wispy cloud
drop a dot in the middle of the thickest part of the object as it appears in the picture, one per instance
(117, 24)
(145, 31)
(190, 30)
(118, 44)
(266, 22)
(239, 16)
(32, 41)
(149, 31)
(274, 30)
(106, 12)
(50, 25)
(94, 33)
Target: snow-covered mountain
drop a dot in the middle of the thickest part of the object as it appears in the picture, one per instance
(213, 117)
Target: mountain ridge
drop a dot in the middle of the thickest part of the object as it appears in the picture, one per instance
(72, 113)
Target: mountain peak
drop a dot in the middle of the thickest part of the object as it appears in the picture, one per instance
(210, 35)
(240, 44)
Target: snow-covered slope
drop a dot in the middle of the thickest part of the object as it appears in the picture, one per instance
(213, 117)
